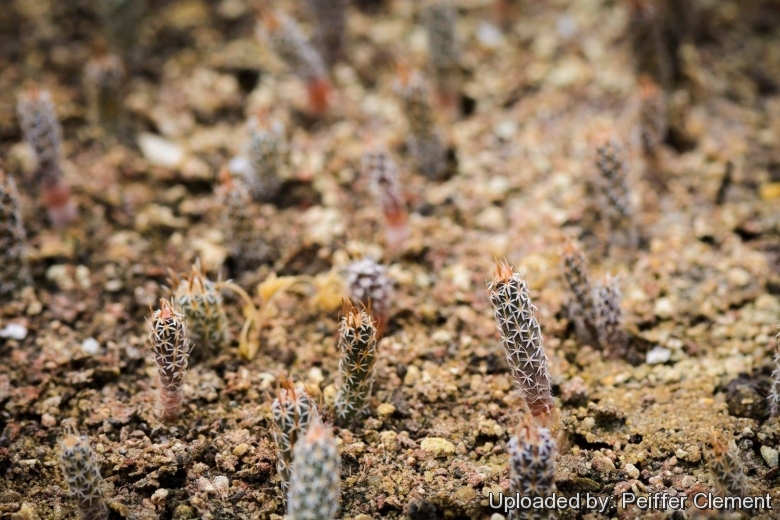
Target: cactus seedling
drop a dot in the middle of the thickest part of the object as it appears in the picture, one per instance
(235, 202)
(292, 47)
(368, 285)
(614, 192)
(531, 469)
(43, 133)
(200, 300)
(582, 307)
(14, 271)
(440, 18)
(315, 480)
(423, 141)
(358, 348)
(609, 317)
(521, 337)
(264, 150)
(774, 391)
(652, 116)
(103, 77)
(121, 20)
(725, 468)
(80, 468)
(330, 20)
(386, 187)
(292, 411)
(171, 347)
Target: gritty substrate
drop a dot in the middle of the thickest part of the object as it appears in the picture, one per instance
(702, 290)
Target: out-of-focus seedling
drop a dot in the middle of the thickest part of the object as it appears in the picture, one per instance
(170, 344)
(14, 270)
(613, 189)
(103, 78)
(521, 337)
(358, 349)
(79, 466)
(265, 149)
(43, 133)
(383, 175)
(646, 29)
(424, 141)
(440, 19)
(121, 21)
(235, 202)
(330, 22)
(652, 126)
(368, 284)
(288, 41)
(201, 301)
(531, 469)
(609, 318)
(315, 479)
(292, 411)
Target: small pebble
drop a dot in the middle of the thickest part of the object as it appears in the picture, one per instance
(770, 456)
(90, 346)
(14, 331)
(658, 355)
(437, 446)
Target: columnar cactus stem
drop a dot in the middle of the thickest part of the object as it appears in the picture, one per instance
(103, 77)
(423, 141)
(582, 307)
(43, 133)
(288, 41)
(358, 348)
(609, 317)
(614, 191)
(235, 202)
(440, 18)
(264, 150)
(386, 187)
(652, 117)
(330, 20)
(315, 480)
(725, 468)
(14, 270)
(531, 469)
(292, 411)
(368, 285)
(171, 347)
(79, 466)
(521, 337)
(774, 392)
(201, 301)
(651, 54)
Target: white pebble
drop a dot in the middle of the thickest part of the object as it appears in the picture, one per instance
(770, 456)
(90, 346)
(658, 355)
(14, 331)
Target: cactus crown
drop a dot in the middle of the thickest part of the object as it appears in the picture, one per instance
(170, 344)
(358, 348)
(315, 481)
(521, 337)
(200, 300)
(14, 270)
(79, 466)
(531, 468)
(725, 467)
(292, 412)
(264, 150)
(43, 132)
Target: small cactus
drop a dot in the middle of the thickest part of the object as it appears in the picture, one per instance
(121, 20)
(264, 150)
(440, 18)
(774, 391)
(103, 78)
(358, 349)
(423, 141)
(609, 317)
(614, 192)
(14, 270)
(582, 307)
(170, 344)
(330, 21)
(235, 202)
(725, 468)
(287, 39)
(531, 469)
(315, 480)
(646, 28)
(292, 411)
(521, 337)
(386, 187)
(79, 466)
(652, 116)
(200, 300)
(43, 133)
(369, 285)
